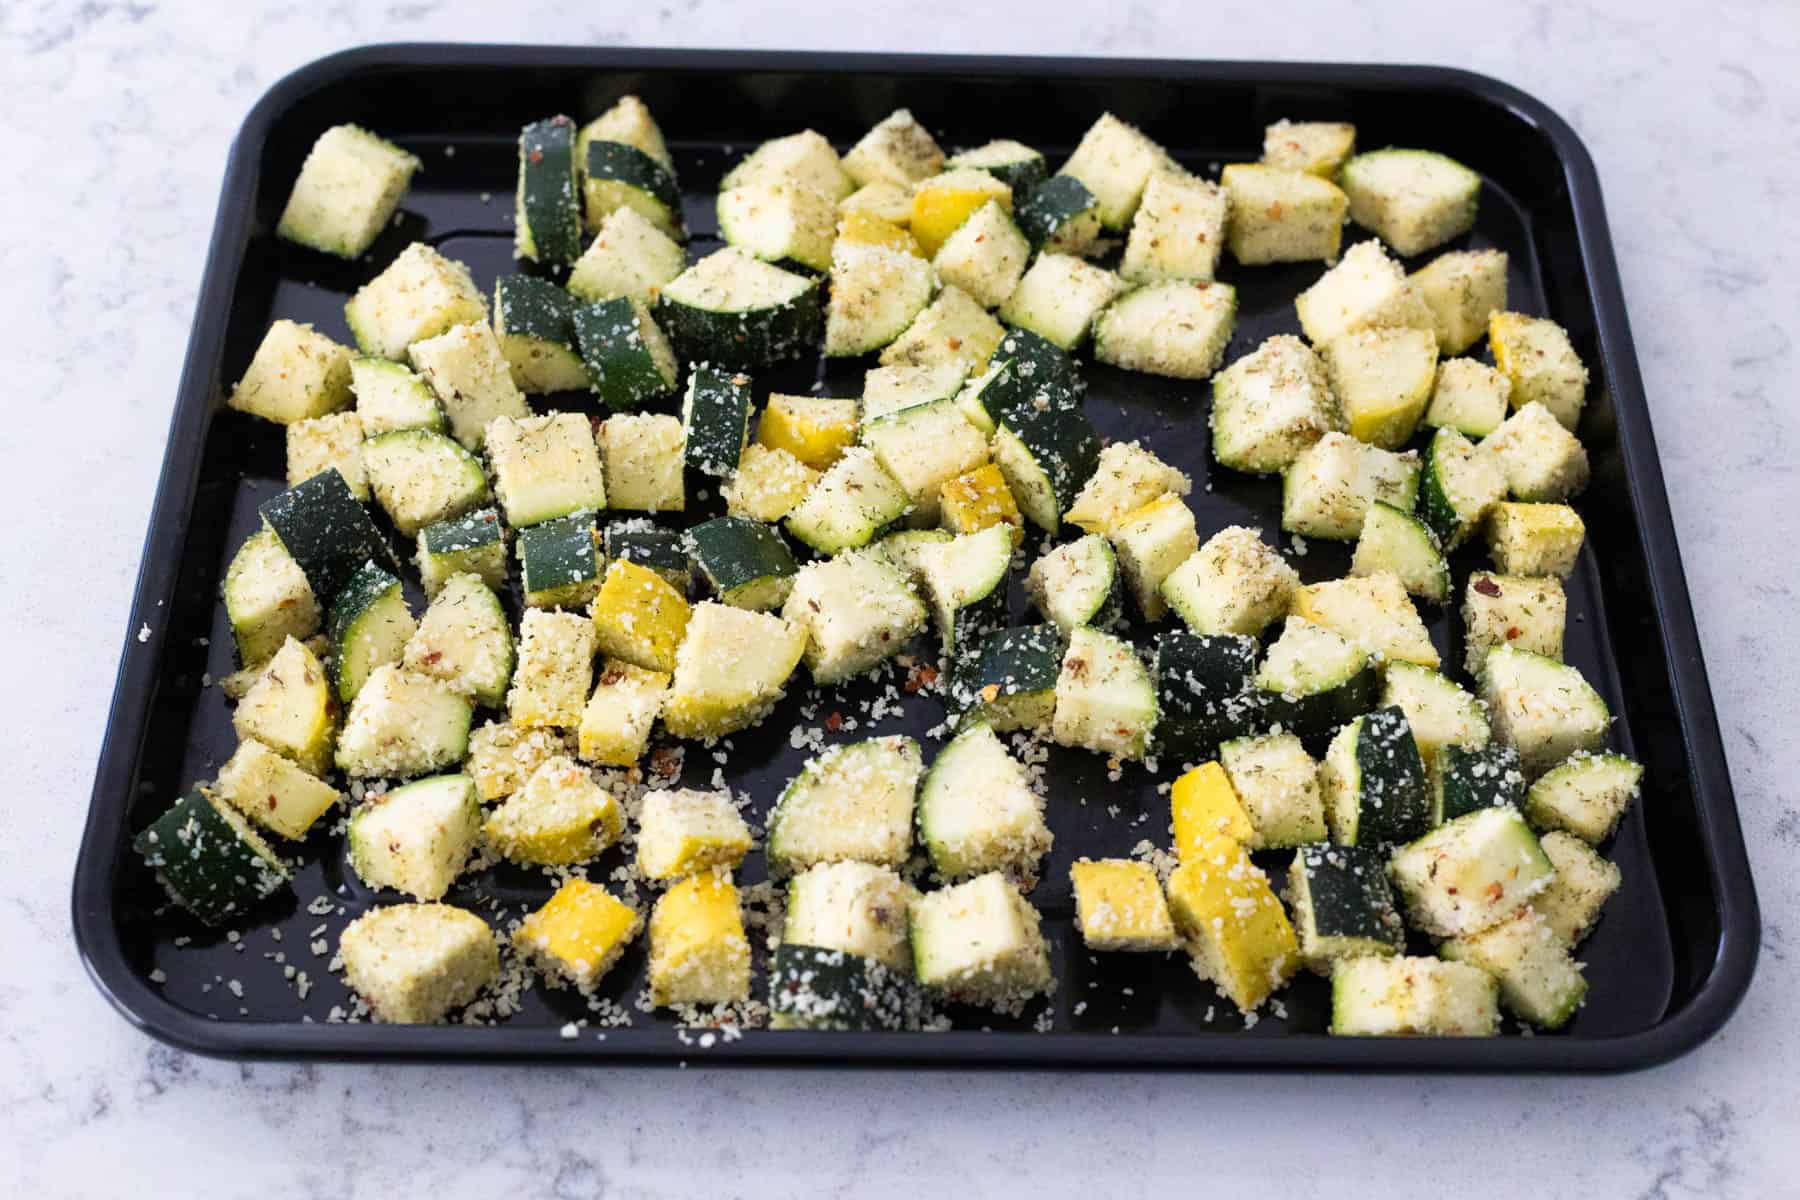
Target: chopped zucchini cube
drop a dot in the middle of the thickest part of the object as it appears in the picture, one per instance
(1534, 539)
(1586, 794)
(1126, 478)
(296, 373)
(1439, 712)
(1150, 543)
(413, 963)
(416, 839)
(855, 611)
(953, 328)
(208, 858)
(1119, 905)
(389, 397)
(1116, 161)
(348, 189)
(1343, 906)
(730, 670)
(942, 204)
(421, 478)
(1059, 297)
(273, 791)
(1013, 163)
(1366, 289)
(641, 457)
(555, 671)
(889, 203)
(289, 708)
(473, 381)
(1061, 216)
(1471, 873)
(639, 617)
(1469, 397)
(1412, 997)
(545, 467)
(1234, 925)
(1459, 484)
(1413, 200)
(560, 565)
(978, 811)
(370, 625)
(1466, 781)
(1316, 147)
(1535, 354)
(898, 150)
(1373, 780)
(579, 934)
(620, 175)
(1204, 692)
(779, 220)
(1270, 405)
(1525, 612)
(1541, 707)
(979, 943)
(403, 724)
(1179, 230)
(615, 725)
(1235, 583)
(1280, 216)
(473, 544)
(1105, 699)
(626, 358)
(923, 448)
(814, 429)
(856, 907)
(854, 802)
(1313, 680)
(629, 256)
(559, 818)
(1541, 460)
(805, 158)
(1328, 489)
(1398, 543)
(535, 322)
(767, 485)
(1047, 457)
(745, 562)
(852, 503)
(683, 832)
(1374, 612)
(964, 580)
(1583, 884)
(1539, 981)
(333, 441)
(735, 311)
(698, 951)
(628, 121)
(888, 390)
(715, 419)
(980, 499)
(876, 295)
(1382, 378)
(502, 756)
(1011, 681)
(1078, 583)
(1462, 288)
(1178, 329)
(985, 256)
(1278, 782)
(267, 598)
(419, 295)
(1203, 805)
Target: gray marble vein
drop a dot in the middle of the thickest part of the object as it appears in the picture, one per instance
(117, 121)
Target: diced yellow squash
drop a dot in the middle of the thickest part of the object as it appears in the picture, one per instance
(273, 791)
(555, 671)
(1372, 611)
(733, 667)
(502, 756)
(1204, 806)
(579, 933)
(683, 832)
(289, 708)
(769, 483)
(814, 429)
(1236, 929)
(1119, 905)
(860, 227)
(615, 726)
(977, 499)
(561, 816)
(639, 616)
(942, 203)
(698, 951)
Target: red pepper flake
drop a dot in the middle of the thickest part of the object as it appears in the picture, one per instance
(662, 762)
(955, 344)
(919, 678)
(1512, 631)
(1486, 587)
(834, 722)
(536, 155)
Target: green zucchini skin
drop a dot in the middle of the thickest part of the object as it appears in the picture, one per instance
(1021, 664)
(1040, 360)
(471, 531)
(621, 366)
(1015, 385)
(327, 531)
(626, 164)
(1393, 805)
(354, 604)
(1021, 176)
(1322, 711)
(1351, 900)
(716, 418)
(209, 860)
(813, 988)
(526, 306)
(1051, 205)
(1205, 693)
(742, 560)
(1063, 443)
(1471, 780)
(558, 563)
(748, 339)
(548, 204)
(661, 550)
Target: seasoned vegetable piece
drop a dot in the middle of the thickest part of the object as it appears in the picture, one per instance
(811, 987)
(416, 839)
(295, 374)
(954, 328)
(683, 832)
(1366, 289)
(464, 639)
(1467, 781)
(733, 311)
(419, 295)
(615, 725)
(642, 456)
(1534, 539)
(502, 756)
(1382, 379)
(421, 478)
(768, 484)
(1586, 794)
(1583, 884)
(876, 294)
(1235, 583)
(1059, 297)
(1541, 459)
(267, 598)
(628, 361)
(413, 963)
(852, 803)
(389, 397)
(559, 565)
(347, 191)
(1523, 612)
(546, 206)
(779, 221)
(1125, 479)
(1440, 713)
(985, 256)
(851, 504)
(545, 467)
(1179, 230)
(1463, 289)
(620, 175)
(978, 812)
(1470, 873)
(1270, 405)
(1202, 806)
(628, 121)
(1177, 330)
(805, 158)
(1374, 612)
(1316, 147)
(1233, 923)
(560, 817)
(1061, 216)
(1328, 489)
(745, 562)
(639, 617)
(403, 724)
(579, 934)
(1010, 682)
(980, 499)
(208, 860)
(715, 419)
(1343, 906)
(1539, 981)
(1458, 486)
(814, 429)
(965, 583)
(370, 624)
(1115, 161)
(1412, 199)
(1412, 997)
(556, 669)
(475, 544)
(333, 441)
(1469, 397)
(942, 203)
(853, 612)
(1203, 693)
(1397, 543)
(1280, 216)
(1105, 700)
(465, 367)
(979, 943)
(629, 256)
(898, 150)
(1150, 543)
(1119, 905)
(923, 448)
(1536, 355)
(698, 951)
(1374, 782)
(273, 791)
(289, 708)
(1313, 680)
(1013, 163)
(730, 670)
(1078, 583)
(855, 907)
(1278, 783)
(1047, 457)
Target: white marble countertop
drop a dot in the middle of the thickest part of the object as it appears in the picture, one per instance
(117, 120)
